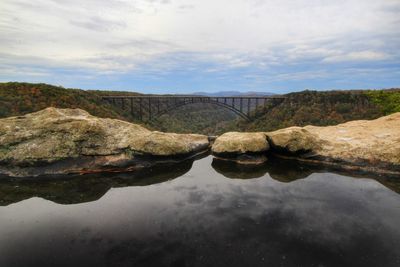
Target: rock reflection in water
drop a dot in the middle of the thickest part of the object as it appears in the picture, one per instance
(75, 189)
(203, 218)
(287, 171)
(280, 170)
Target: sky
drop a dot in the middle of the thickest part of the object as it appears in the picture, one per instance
(183, 46)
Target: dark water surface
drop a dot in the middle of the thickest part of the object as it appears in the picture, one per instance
(202, 213)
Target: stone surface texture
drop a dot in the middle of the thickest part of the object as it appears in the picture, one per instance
(240, 143)
(369, 144)
(59, 141)
(55, 134)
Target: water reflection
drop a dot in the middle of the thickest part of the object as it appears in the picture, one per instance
(280, 170)
(286, 215)
(287, 171)
(75, 189)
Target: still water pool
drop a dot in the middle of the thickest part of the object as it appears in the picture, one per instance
(202, 213)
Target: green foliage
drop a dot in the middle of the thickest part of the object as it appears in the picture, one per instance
(314, 108)
(196, 118)
(21, 98)
(388, 100)
(303, 108)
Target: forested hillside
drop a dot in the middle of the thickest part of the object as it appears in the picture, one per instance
(21, 98)
(303, 108)
(324, 108)
(197, 118)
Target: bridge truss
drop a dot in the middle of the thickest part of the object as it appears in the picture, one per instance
(147, 108)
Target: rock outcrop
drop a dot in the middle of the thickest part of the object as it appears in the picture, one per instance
(71, 140)
(372, 145)
(245, 148)
(294, 140)
(60, 141)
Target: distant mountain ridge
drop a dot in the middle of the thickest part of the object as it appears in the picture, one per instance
(233, 93)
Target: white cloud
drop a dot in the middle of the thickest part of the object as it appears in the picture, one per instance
(12, 71)
(357, 56)
(122, 35)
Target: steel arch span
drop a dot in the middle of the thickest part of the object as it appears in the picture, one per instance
(147, 108)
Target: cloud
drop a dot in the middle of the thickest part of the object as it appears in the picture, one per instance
(98, 24)
(116, 37)
(358, 56)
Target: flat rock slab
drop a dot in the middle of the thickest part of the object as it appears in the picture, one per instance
(374, 142)
(67, 135)
(373, 145)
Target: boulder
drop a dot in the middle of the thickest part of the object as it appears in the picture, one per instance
(86, 142)
(371, 145)
(293, 140)
(371, 142)
(244, 148)
(366, 144)
(240, 143)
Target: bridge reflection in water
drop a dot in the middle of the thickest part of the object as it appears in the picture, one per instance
(146, 108)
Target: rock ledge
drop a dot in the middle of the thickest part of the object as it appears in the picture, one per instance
(371, 145)
(55, 141)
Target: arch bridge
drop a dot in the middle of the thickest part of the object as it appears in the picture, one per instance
(148, 107)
